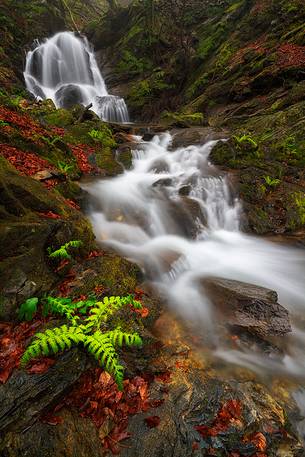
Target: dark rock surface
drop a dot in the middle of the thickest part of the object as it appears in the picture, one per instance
(24, 397)
(248, 306)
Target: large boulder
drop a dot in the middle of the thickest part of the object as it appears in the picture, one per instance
(248, 306)
(68, 96)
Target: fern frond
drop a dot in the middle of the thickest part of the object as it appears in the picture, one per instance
(118, 338)
(102, 310)
(52, 341)
(62, 306)
(100, 346)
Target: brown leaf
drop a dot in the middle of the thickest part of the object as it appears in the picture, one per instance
(152, 421)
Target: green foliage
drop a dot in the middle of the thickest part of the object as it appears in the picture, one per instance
(271, 182)
(64, 167)
(299, 201)
(3, 123)
(131, 65)
(198, 86)
(85, 330)
(52, 341)
(28, 309)
(62, 252)
(104, 136)
(148, 88)
(245, 139)
(183, 118)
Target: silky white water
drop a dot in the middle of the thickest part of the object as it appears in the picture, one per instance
(177, 240)
(64, 69)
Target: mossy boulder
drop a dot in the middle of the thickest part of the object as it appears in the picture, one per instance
(27, 232)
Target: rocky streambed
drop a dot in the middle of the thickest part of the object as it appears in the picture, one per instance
(191, 402)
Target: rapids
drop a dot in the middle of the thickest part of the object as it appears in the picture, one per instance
(176, 216)
(64, 69)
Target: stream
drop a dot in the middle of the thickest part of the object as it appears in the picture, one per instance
(175, 215)
(179, 219)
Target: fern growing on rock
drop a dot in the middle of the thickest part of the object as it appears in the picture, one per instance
(62, 252)
(86, 331)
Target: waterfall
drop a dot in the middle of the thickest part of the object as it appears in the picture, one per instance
(64, 69)
(173, 213)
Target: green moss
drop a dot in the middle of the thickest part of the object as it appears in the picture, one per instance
(182, 119)
(59, 118)
(106, 160)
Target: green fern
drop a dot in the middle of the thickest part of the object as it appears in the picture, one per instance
(85, 331)
(107, 307)
(62, 252)
(28, 309)
(118, 338)
(100, 346)
(52, 341)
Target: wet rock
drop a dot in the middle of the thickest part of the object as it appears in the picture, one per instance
(24, 397)
(195, 135)
(248, 306)
(68, 96)
(163, 182)
(159, 166)
(75, 436)
(25, 235)
(193, 400)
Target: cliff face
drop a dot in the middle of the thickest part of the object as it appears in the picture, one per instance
(204, 54)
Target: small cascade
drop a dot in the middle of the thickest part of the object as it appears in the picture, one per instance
(113, 107)
(64, 69)
(174, 214)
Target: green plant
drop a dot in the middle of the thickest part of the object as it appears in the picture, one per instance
(103, 136)
(28, 309)
(64, 167)
(271, 182)
(3, 123)
(299, 201)
(245, 139)
(62, 252)
(89, 331)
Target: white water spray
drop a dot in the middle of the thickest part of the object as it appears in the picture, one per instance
(179, 239)
(64, 69)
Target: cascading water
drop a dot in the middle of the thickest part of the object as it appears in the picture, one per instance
(173, 213)
(64, 69)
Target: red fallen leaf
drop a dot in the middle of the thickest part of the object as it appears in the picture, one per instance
(72, 204)
(5, 374)
(81, 298)
(195, 446)
(152, 421)
(62, 264)
(163, 377)
(26, 163)
(64, 287)
(99, 290)
(143, 312)
(12, 345)
(50, 183)
(231, 408)
(52, 420)
(259, 440)
(156, 403)
(203, 430)
(94, 254)
(50, 215)
(41, 366)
